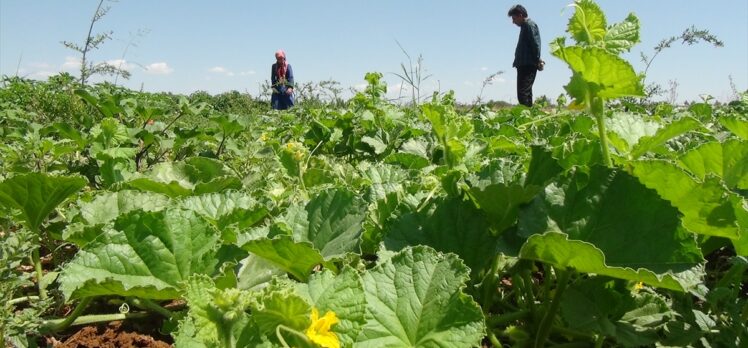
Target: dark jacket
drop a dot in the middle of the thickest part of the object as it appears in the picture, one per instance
(527, 52)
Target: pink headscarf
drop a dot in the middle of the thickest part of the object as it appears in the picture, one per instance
(282, 68)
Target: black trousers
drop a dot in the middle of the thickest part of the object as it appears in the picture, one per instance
(525, 79)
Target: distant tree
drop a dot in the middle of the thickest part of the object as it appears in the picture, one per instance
(93, 42)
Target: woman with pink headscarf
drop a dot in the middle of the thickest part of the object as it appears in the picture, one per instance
(281, 78)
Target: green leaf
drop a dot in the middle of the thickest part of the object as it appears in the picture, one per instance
(37, 195)
(281, 307)
(343, 295)
(335, 223)
(620, 37)
(616, 215)
(145, 254)
(107, 206)
(225, 208)
(193, 177)
(296, 258)
(415, 299)
(707, 206)
(630, 127)
(736, 125)
(558, 250)
(728, 160)
(670, 131)
(449, 225)
(501, 202)
(587, 25)
(599, 73)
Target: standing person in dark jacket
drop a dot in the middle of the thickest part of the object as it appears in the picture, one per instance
(527, 54)
(281, 78)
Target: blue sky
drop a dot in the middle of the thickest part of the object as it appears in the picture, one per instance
(223, 45)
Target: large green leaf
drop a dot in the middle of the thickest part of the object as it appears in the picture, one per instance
(193, 177)
(342, 294)
(620, 37)
(296, 258)
(587, 25)
(619, 217)
(225, 208)
(599, 73)
(629, 127)
(281, 307)
(107, 206)
(335, 223)
(501, 202)
(667, 132)
(708, 207)
(728, 160)
(415, 299)
(145, 254)
(37, 195)
(558, 250)
(449, 225)
(736, 125)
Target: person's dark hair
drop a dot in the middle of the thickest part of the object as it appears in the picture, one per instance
(518, 10)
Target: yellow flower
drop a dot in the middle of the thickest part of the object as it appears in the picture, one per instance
(639, 286)
(319, 331)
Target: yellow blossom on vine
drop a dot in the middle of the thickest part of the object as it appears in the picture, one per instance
(319, 331)
(639, 286)
(264, 137)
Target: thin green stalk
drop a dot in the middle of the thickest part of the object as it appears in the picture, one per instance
(36, 260)
(597, 109)
(507, 318)
(16, 301)
(494, 340)
(98, 318)
(153, 306)
(544, 330)
(65, 323)
(491, 284)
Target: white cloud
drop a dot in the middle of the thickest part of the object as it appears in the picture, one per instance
(360, 87)
(121, 63)
(160, 68)
(71, 63)
(483, 68)
(247, 73)
(43, 74)
(219, 70)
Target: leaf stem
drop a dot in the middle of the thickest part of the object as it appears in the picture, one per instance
(153, 306)
(490, 284)
(544, 330)
(36, 260)
(16, 301)
(59, 325)
(597, 108)
(98, 318)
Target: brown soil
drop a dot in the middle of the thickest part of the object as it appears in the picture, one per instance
(113, 335)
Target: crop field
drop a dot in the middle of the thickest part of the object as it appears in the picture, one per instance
(142, 219)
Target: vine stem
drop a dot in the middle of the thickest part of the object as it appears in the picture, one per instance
(597, 109)
(62, 324)
(149, 304)
(544, 330)
(36, 260)
(16, 301)
(99, 318)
